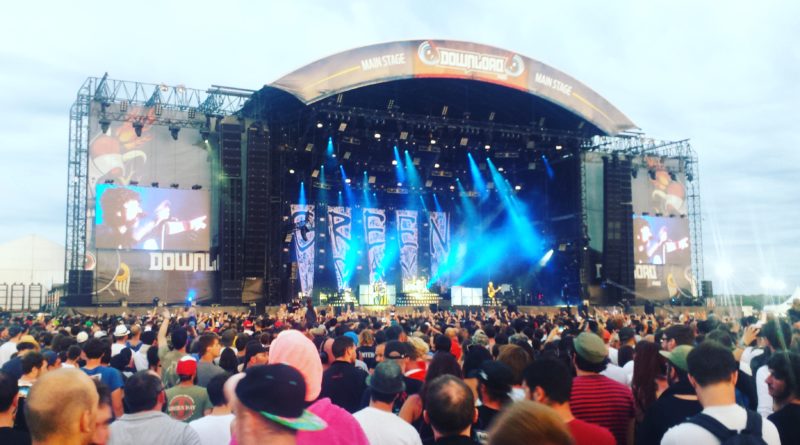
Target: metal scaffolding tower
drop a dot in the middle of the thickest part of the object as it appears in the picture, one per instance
(217, 101)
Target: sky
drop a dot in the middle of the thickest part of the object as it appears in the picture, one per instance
(722, 74)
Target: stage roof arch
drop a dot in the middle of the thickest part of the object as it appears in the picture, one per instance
(446, 59)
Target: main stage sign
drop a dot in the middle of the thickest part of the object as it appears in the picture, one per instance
(387, 62)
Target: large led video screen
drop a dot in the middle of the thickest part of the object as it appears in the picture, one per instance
(662, 257)
(659, 187)
(149, 218)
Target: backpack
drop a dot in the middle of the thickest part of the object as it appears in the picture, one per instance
(751, 434)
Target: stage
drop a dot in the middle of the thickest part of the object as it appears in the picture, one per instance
(406, 173)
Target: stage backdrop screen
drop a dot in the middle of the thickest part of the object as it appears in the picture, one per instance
(662, 257)
(146, 218)
(659, 187)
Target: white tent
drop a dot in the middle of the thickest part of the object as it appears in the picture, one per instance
(783, 307)
(32, 260)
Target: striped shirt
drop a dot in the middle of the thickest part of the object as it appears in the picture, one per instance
(599, 400)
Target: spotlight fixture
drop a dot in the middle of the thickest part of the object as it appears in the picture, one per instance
(672, 176)
(394, 162)
(377, 135)
(558, 147)
(109, 181)
(634, 172)
(452, 187)
(487, 146)
(519, 187)
(348, 181)
(291, 171)
(433, 141)
(154, 184)
(436, 165)
(500, 169)
(104, 124)
(174, 185)
(652, 174)
(134, 182)
(319, 124)
(399, 184)
(204, 134)
(173, 131)
(196, 187)
(137, 127)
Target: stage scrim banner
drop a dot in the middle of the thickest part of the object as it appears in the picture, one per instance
(408, 237)
(303, 219)
(375, 236)
(340, 224)
(440, 246)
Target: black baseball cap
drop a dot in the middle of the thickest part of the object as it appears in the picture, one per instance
(278, 393)
(395, 349)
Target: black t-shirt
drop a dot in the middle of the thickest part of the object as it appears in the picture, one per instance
(451, 440)
(787, 420)
(481, 428)
(665, 413)
(367, 355)
(344, 384)
(10, 436)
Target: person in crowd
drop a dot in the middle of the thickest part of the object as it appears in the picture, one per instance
(450, 411)
(474, 356)
(145, 423)
(777, 336)
(120, 335)
(269, 407)
(208, 348)
(228, 361)
(9, 402)
(186, 401)
(293, 348)
(62, 409)
(377, 420)
(649, 378)
(153, 362)
(417, 366)
(746, 394)
(215, 428)
(596, 398)
(14, 365)
(146, 340)
(713, 373)
(94, 349)
(527, 422)
(549, 381)
(414, 406)
(169, 357)
(255, 354)
(366, 348)
(494, 387)
(675, 336)
(105, 414)
(517, 359)
(677, 403)
(342, 382)
(73, 356)
(9, 348)
(783, 383)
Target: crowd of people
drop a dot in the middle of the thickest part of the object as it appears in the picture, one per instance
(313, 376)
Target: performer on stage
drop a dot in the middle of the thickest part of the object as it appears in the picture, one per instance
(492, 291)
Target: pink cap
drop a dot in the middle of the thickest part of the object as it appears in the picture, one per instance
(296, 350)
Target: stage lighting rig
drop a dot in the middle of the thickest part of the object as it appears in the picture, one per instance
(204, 133)
(197, 187)
(104, 124)
(137, 127)
(174, 185)
(173, 131)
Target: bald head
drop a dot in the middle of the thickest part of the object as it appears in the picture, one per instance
(61, 403)
(450, 405)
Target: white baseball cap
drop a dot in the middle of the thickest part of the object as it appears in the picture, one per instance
(82, 336)
(121, 330)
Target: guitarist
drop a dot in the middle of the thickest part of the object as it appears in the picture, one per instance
(492, 291)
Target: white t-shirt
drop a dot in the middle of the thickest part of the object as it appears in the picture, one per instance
(764, 399)
(734, 417)
(140, 358)
(383, 428)
(628, 368)
(616, 373)
(213, 430)
(116, 348)
(613, 355)
(6, 351)
(748, 355)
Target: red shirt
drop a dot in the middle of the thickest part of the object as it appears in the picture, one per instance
(599, 400)
(585, 433)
